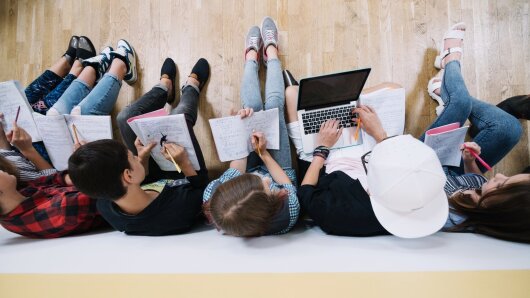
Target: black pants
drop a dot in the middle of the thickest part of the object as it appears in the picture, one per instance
(154, 100)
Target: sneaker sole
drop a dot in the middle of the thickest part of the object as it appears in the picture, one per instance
(134, 76)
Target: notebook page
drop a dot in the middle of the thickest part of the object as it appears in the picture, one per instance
(176, 130)
(90, 128)
(56, 138)
(12, 96)
(389, 104)
(447, 145)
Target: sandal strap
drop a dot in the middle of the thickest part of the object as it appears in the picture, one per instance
(433, 85)
(451, 51)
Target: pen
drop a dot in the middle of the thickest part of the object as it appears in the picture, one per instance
(358, 128)
(75, 133)
(477, 157)
(18, 113)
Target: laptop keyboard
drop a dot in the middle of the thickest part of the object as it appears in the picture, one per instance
(313, 120)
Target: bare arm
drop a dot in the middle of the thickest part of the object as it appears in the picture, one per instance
(328, 136)
(144, 153)
(22, 140)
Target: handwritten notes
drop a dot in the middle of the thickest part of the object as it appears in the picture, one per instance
(232, 134)
(151, 129)
(389, 104)
(12, 96)
(57, 134)
(445, 141)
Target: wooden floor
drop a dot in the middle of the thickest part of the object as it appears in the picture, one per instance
(397, 39)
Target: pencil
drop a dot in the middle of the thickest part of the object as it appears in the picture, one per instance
(477, 157)
(174, 162)
(18, 113)
(75, 133)
(259, 151)
(358, 129)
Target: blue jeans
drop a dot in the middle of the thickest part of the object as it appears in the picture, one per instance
(43, 93)
(45, 90)
(498, 131)
(98, 101)
(274, 98)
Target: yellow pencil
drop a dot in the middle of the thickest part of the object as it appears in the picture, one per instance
(75, 133)
(174, 162)
(259, 151)
(358, 129)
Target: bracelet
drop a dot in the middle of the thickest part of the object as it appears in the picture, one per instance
(321, 151)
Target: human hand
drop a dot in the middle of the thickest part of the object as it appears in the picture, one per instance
(370, 122)
(467, 156)
(177, 152)
(329, 133)
(259, 142)
(19, 138)
(142, 150)
(246, 112)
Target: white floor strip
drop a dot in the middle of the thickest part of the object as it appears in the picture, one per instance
(207, 251)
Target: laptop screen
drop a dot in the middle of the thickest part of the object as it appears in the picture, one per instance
(331, 90)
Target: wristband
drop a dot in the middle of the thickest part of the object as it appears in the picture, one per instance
(321, 151)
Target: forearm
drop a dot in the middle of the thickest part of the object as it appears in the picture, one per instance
(187, 168)
(277, 173)
(313, 172)
(239, 164)
(39, 162)
(471, 167)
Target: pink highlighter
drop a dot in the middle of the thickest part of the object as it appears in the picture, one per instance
(477, 157)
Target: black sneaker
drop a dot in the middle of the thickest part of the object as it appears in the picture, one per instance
(288, 79)
(517, 106)
(126, 53)
(85, 49)
(201, 72)
(71, 52)
(169, 71)
(100, 63)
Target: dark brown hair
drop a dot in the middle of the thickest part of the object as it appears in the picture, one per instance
(503, 213)
(241, 207)
(8, 167)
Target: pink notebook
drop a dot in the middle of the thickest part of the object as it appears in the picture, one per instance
(442, 129)
(156, 113)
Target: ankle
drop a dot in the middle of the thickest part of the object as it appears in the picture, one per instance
(76, 68)
(166, 81)
(193, 81)
(272, 52)
(251, 55)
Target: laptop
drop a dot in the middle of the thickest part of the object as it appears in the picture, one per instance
(326, 97)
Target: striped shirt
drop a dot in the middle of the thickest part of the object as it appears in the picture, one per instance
(463, 182)
(27, 170)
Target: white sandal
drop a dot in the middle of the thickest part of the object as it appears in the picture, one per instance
(453, 33)
(433, 85)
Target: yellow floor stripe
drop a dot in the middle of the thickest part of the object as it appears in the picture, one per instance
(411, 284)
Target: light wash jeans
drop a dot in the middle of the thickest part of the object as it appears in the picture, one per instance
(98, 101)
(498, 131)
(274, 98)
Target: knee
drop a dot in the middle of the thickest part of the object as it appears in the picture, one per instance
(123, 116)
(509, 131)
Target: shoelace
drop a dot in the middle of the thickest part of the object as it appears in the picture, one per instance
(253, 42)
(270, 35)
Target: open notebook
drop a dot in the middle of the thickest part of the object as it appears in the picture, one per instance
(151, 127)
(59, 137)
(445, 141)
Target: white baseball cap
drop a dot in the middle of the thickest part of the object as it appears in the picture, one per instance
(406, 183)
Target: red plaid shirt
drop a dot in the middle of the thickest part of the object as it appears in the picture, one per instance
(53, 209)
